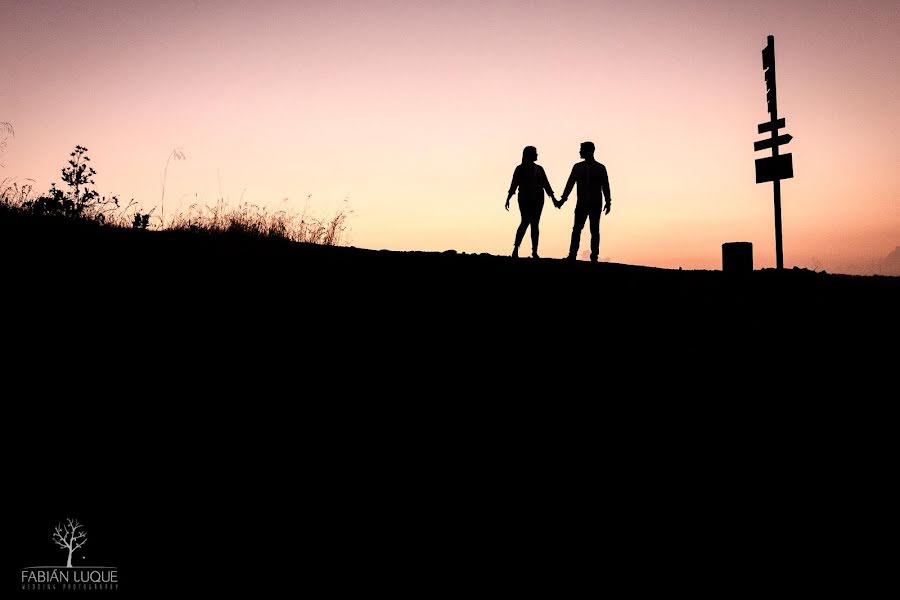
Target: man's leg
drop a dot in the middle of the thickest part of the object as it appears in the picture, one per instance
(595, 233)
(580, 217)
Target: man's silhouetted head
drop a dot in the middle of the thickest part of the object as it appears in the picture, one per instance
(587, 150)
(529, 154)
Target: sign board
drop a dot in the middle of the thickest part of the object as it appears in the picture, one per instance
(781, 139)
(774, 167)
(770, 126)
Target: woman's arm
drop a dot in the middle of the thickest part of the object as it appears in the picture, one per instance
(546, 184)
(512, 186)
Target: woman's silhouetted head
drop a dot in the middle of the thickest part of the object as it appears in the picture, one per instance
(529, 154)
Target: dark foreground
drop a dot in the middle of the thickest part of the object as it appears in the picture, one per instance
(233, 414)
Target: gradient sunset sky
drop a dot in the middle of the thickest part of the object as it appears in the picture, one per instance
(417, 113)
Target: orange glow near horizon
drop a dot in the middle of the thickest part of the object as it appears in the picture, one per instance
(416, 112)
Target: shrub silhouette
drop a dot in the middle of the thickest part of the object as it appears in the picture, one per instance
(141, 220)
(81, 201)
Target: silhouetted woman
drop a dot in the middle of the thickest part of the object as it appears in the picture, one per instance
(530, 179)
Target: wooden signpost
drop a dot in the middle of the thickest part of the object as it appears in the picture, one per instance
(778, 166)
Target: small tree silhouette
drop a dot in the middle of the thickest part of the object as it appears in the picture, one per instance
(80, 202)
(68, 538)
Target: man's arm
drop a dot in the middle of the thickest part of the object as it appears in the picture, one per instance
(569, 185)
(605, 183)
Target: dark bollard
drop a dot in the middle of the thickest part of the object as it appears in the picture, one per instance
(737, 257)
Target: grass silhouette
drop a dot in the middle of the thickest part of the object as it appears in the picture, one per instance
(80, 202)
(6, 132)
(256, 221)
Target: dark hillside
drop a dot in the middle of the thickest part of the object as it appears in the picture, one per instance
(433, 419)
(283, 289)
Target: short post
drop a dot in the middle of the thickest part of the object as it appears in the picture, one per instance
(737, 257)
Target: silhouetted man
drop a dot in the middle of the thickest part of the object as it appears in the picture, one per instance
(593, 184)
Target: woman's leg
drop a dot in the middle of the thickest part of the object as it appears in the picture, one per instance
(520, 232)
(535, 228)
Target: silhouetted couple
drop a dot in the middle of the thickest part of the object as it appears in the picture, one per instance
(531, 181)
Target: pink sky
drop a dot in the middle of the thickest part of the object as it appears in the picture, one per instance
(417, 111)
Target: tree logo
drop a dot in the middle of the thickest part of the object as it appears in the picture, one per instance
(68, 537)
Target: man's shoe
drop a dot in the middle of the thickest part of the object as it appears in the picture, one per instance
(571, 257)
